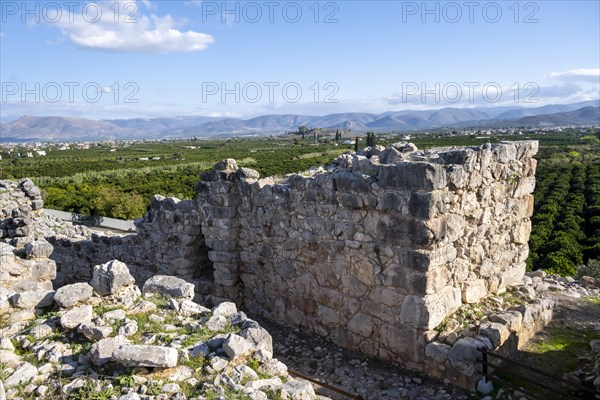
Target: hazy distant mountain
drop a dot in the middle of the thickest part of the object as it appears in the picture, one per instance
(550, 109)
(63, 128)
(159, 125)
(585, 116)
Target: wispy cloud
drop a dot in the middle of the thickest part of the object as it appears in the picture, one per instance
(577, 75)
(134, 31)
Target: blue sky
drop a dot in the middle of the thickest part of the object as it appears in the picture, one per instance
(126, 58)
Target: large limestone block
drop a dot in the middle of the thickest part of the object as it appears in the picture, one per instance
(43, 269)
(23, 374)
(32, 299)
(38, 249)
(413, 176)
(406, 342)
(102, 351)
(466, 356)
(131, 355)
(70, 295)
(297, 390)
(169, 286)
(438, 351)
(496, 332)
(427, 312)
(257, 335)
(361, 324)
(473, 290)
(76, 316)
(236, 346)
(512, 319)
(111, 277)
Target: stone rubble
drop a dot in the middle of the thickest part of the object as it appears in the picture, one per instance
(22, 218)
(87, 348)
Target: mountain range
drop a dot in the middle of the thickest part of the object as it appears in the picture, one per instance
(31, 128)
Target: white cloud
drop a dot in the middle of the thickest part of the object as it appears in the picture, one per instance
(577, 75)
(138, 33)
(149, 5)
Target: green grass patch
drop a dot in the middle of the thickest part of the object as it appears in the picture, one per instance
(92, 390)
(560, 350)
(229, 395)
(592, 300)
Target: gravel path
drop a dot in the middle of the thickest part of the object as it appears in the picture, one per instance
(353, 372)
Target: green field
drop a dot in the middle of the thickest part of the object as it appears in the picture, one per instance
(98, 181)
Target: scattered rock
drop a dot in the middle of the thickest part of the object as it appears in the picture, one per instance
(71, 295)
(236, 346)
(169, 286)
(23, 374)
(111, 277)
(76, 316)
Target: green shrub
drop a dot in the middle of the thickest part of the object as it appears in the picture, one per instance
(591, 269)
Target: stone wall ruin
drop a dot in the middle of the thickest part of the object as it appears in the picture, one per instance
(373, 253)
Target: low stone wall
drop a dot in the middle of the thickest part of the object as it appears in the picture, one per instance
(168, 241)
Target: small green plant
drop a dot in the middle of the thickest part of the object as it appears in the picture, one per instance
(442, 326)
(160, 300)
(153, 389)
(3, 376)
(90, 391)
(102, 308)
(513, 179)
(126, 379)
(194, 363)
(191, 391)
(273, 395)
(50, 314)
(211, 394)
(80, 347)
(255, 365)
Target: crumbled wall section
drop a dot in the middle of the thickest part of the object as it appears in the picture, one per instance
(168, 241)
(26, 272)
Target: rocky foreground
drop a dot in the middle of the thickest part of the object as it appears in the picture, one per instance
(110, 340)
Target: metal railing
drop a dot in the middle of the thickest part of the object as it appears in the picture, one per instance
(567, 390)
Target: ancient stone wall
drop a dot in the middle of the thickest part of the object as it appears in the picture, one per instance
(373, 253)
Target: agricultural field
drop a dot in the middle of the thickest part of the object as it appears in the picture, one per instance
(111, 180)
